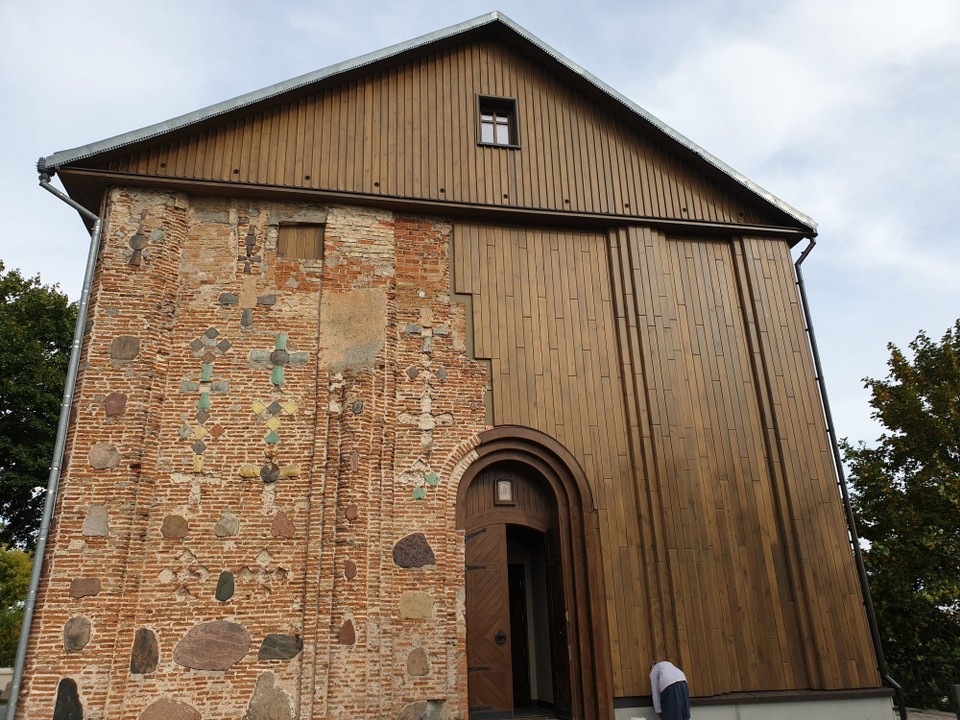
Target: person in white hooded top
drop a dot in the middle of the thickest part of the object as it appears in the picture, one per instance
(671, 696)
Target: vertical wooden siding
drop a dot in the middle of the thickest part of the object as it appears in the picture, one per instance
(678, 374)
(543, 315)
(410, 131)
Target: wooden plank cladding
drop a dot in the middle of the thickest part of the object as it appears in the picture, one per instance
(410, 131)
(302, 241)
(678, 374)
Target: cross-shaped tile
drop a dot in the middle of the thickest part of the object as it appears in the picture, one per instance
(426, 420)
(208, 347)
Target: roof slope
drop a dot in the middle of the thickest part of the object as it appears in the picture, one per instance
(493, 24)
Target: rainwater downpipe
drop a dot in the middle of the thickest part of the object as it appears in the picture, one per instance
(53, 480)
(842, 482)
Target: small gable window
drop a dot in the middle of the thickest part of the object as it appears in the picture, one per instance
(498, 121)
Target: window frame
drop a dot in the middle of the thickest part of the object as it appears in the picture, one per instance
(498, 107)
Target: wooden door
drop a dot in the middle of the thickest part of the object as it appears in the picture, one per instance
(489, 669)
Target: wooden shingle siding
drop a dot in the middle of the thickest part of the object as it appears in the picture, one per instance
(410, 131)
(678, 374)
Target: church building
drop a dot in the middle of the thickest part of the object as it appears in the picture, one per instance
(445, 383)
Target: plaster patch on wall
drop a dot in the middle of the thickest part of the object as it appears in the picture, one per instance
(352, 328)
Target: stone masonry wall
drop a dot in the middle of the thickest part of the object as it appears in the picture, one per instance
(254, 519)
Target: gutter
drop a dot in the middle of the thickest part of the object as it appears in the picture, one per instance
(53, 481)
(842, 482)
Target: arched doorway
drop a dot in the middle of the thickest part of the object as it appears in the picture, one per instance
(536, 629)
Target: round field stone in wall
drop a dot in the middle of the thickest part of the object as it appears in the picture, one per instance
(76, 633)
(104, 456)
(68, 705)
(227, 526)
(414, 711)
(96, 524)
(423, 710)
(138, 241)
(167, 709)
(417, 663)
(269, 701)
(347, 635)
(413, 551)
(225, 586)
(352, 512)
(82, 587)
(125, 347)
(277, 646)
(145, 654)
(270, 472)
(174, 527)
(282, 526)
(217, 645)
(350, 570)
(115, 404)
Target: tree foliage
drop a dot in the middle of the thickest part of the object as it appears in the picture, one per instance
(906, 496)
(14, 581)
(36, 331)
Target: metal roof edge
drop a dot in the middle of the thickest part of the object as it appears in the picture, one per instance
(66, 156)
(63, 157)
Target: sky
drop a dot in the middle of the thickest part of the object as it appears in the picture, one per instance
(849, 110)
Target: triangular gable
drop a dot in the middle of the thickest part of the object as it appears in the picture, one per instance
(401, 123)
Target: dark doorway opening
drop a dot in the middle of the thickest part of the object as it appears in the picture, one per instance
(532, 623)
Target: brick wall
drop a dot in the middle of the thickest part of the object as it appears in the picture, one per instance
(254, 520)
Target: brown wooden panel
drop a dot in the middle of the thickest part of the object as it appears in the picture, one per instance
(301, 241)
(489, 678)
(532, 505)
(678, 374)
(544, 301)
(810, 506)
(410, 131)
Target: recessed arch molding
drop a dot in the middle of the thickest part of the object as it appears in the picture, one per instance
(592, 681)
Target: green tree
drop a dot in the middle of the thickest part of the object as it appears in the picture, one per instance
(14, 581)
(36, 330)
(906, 496)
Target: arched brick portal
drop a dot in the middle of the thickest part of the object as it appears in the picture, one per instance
(577, 536)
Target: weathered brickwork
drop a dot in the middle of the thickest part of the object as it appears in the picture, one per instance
(252, 437)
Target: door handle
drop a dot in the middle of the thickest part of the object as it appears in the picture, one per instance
(500, 638)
